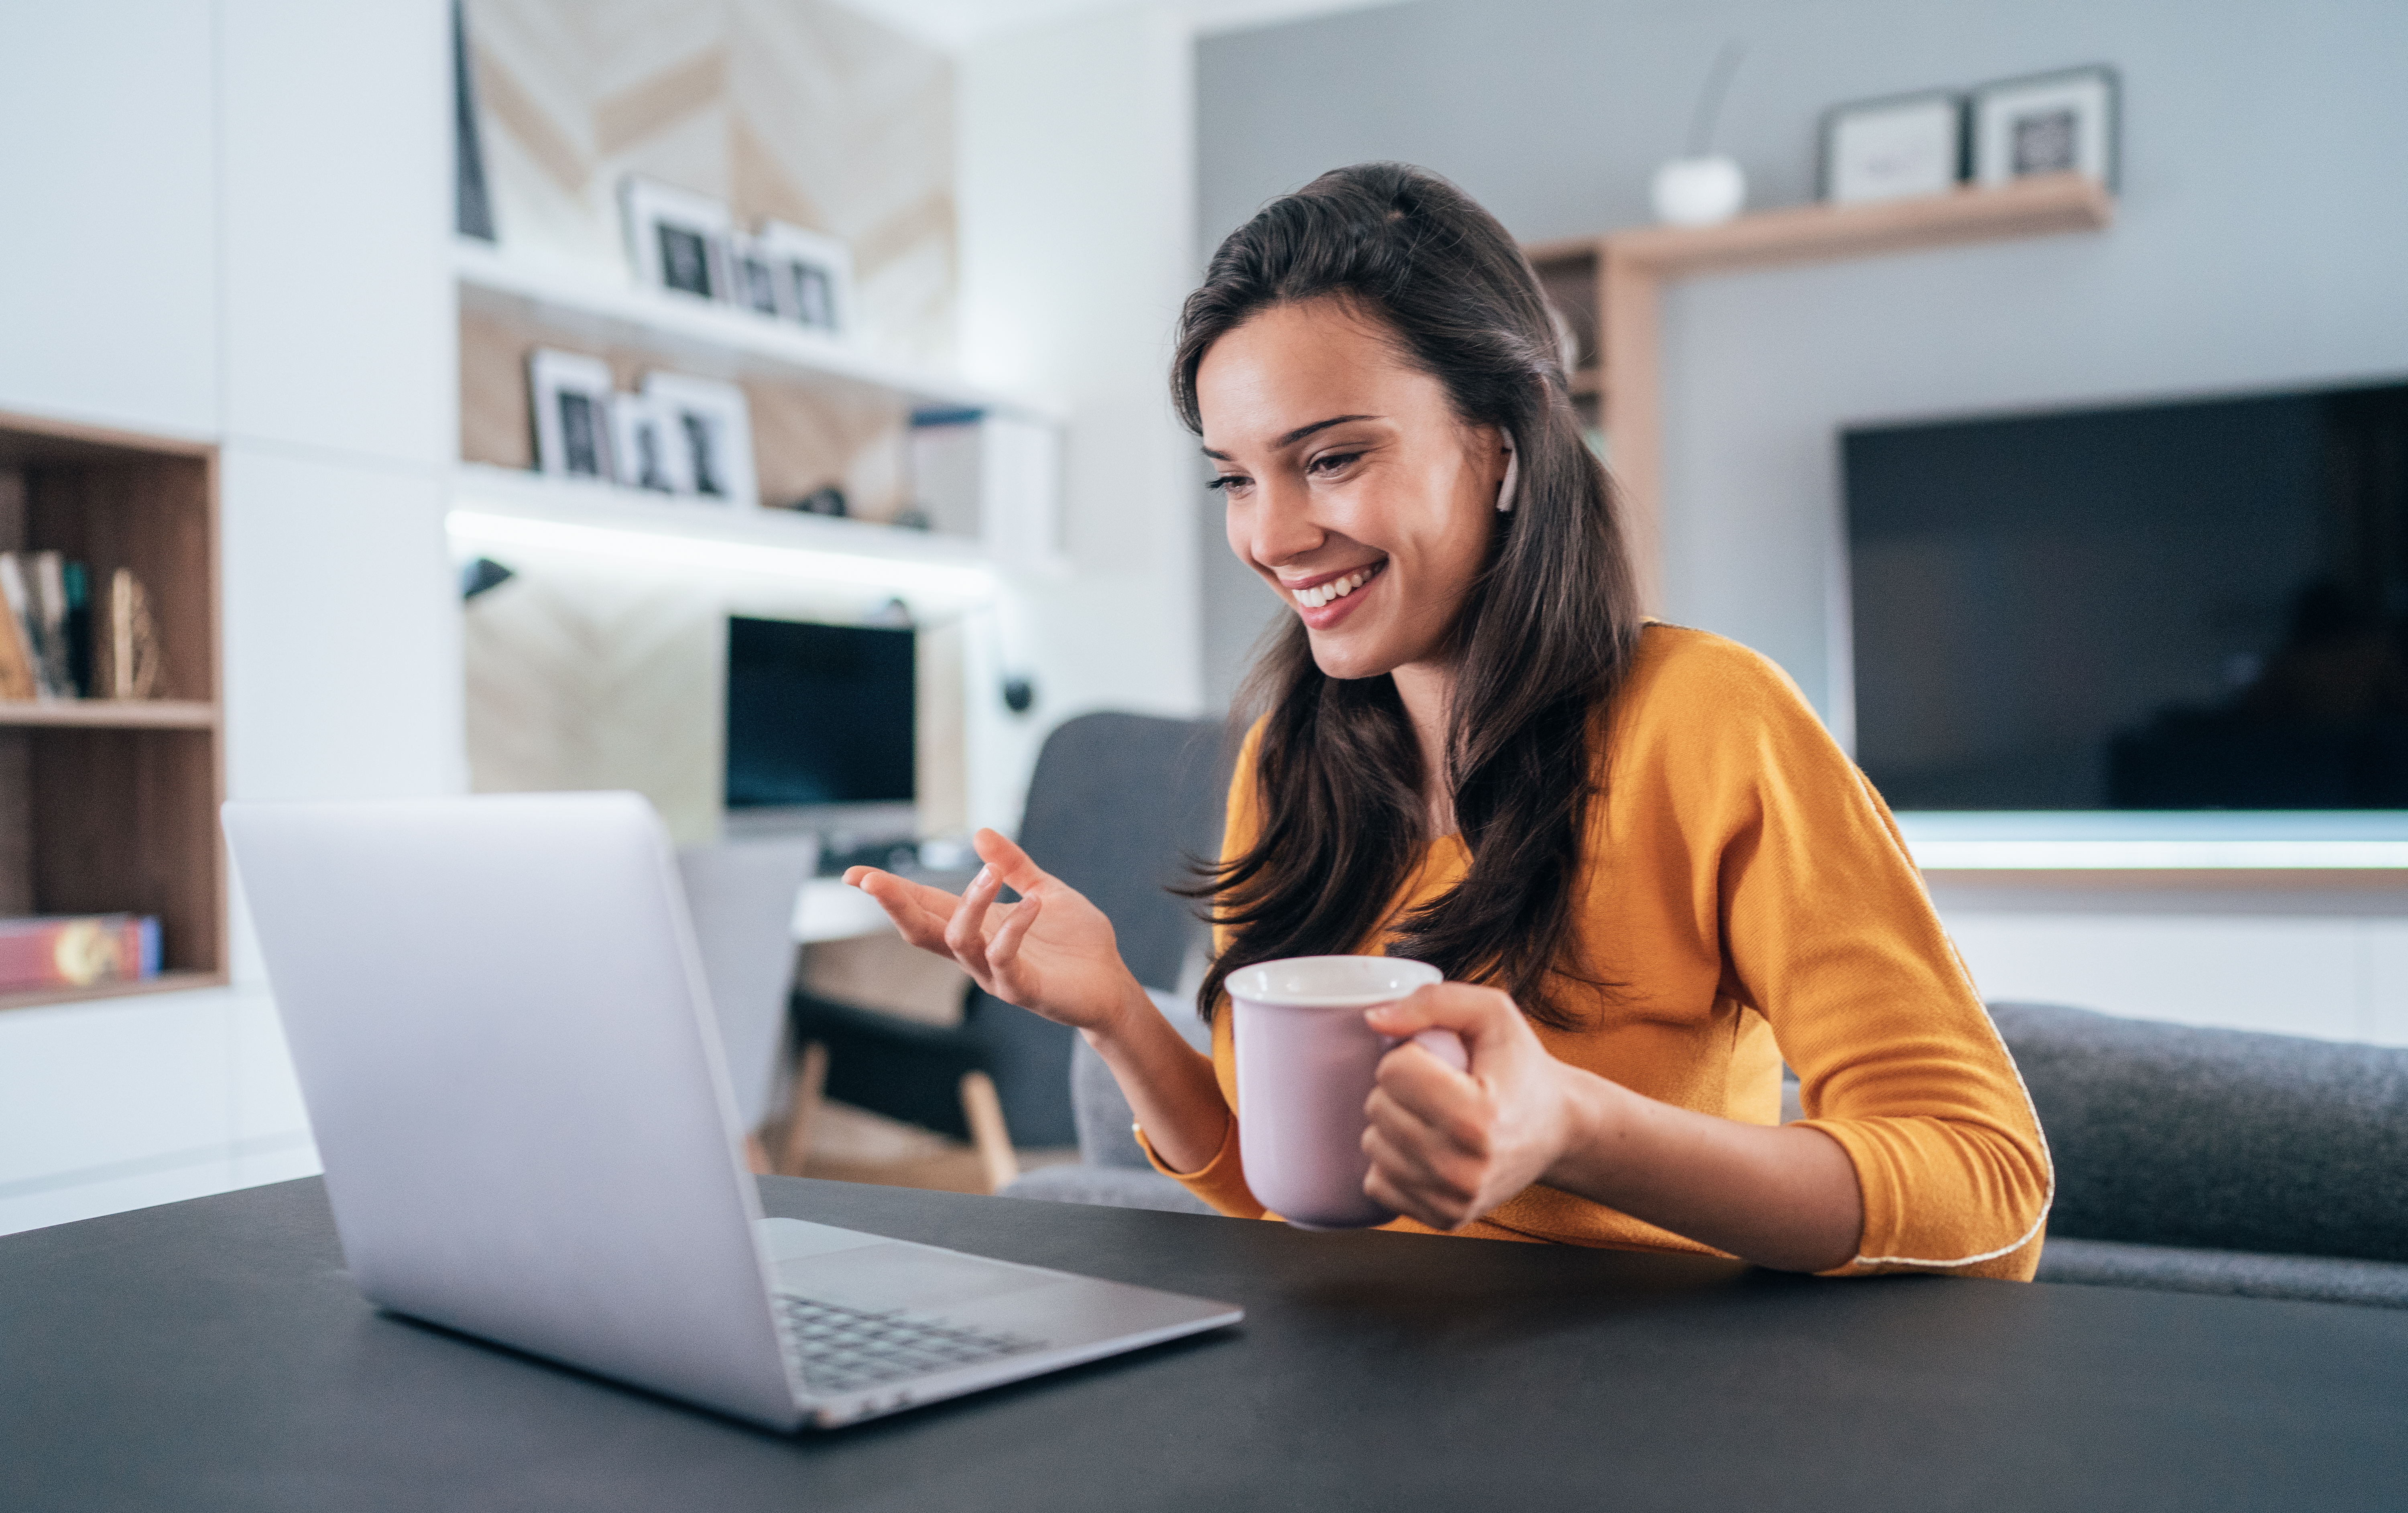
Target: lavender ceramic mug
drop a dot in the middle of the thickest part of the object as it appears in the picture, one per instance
(1306, 1064)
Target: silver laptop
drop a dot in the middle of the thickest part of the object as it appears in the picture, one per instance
(506, 1043)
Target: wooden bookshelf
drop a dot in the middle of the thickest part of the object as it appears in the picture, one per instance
(111, 714)
(1608, 285)
(110, 805)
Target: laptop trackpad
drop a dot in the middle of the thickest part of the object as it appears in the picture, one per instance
(895, 1274)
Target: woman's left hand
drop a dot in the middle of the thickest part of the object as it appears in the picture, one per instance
(1446, 1146)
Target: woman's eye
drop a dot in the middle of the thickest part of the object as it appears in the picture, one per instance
(1227, 481)
(1331, 464)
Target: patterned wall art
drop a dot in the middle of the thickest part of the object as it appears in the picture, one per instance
(586, 675)
(796, 110)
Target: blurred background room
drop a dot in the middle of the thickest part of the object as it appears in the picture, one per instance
(761, 405)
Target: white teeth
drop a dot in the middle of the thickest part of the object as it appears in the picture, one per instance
(1313, 598)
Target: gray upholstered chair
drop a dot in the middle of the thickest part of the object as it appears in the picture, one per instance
(2217, 1161)
(1112, 1170)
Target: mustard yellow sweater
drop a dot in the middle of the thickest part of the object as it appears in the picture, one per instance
(1751, 891)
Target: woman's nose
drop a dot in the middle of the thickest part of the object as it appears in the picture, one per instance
(1283, 528)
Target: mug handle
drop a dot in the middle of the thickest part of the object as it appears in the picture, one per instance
(1445, 1045)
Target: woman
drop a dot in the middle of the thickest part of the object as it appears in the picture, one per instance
(1646, 869)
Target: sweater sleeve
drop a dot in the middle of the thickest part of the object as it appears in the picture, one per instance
(1222, 1180)
(1828, 934)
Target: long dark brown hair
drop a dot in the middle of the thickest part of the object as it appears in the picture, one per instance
(1544, 639)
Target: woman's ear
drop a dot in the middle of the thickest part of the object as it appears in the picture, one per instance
(1513, 474)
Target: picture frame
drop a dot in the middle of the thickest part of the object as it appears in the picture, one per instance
(1898, 147)
(569, 395)
(677, 240)
(2042, 123)
(646, 453)
(711, 423)
(753, 276)
(815, 277)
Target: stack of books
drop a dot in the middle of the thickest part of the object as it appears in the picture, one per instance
(59, 640)
(76, 950)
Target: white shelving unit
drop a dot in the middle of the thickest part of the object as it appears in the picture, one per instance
(719, 341)
(503, 506)
(710, 340)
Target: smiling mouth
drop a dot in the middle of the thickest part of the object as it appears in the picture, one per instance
(1337, 588)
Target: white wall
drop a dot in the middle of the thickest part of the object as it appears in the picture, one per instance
(108, 309)
(2333, 968)
(254, 200)
(1076, 198)
(2258, 245)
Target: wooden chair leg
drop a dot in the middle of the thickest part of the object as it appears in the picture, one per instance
(983, 1111)
(810, 1079)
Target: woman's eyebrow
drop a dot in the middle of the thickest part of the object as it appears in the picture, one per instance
(1300, 433)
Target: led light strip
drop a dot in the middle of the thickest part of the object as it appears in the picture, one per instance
(2154, 855)
(812, 564)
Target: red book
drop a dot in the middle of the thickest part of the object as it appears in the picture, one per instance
(76, 950)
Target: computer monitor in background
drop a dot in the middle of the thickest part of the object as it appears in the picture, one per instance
(820, 728)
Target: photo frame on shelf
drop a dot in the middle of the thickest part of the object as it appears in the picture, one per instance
(676, 239)
(1895, 147)
(710, 424)
(753, 276)
(571, 394)
(2045, 123)
(815, 277)
(645, 451)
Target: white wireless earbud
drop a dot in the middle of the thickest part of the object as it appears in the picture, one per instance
(1513, 475)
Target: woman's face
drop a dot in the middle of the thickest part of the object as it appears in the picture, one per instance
(1353, 489)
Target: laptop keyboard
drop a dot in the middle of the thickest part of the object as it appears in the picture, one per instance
(845, 1348)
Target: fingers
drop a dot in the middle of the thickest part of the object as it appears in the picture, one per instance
(919, 911)
(1428, 1131)
(1003, 952)
(1012, 864)
(1468, 1010)
(1442, 1190)
(966, 932)
(1424, 1102)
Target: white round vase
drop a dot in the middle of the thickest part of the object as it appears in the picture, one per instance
(1698, 192)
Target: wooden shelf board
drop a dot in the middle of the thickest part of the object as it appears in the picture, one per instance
(46, 440)
(1562, 249)
(1814, 233)
(164, 982)
(707, 340)
(111, 714)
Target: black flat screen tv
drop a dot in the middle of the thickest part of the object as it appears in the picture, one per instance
(819, 714)
(2185, 606)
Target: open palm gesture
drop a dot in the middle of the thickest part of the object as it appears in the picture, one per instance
(1052, 953)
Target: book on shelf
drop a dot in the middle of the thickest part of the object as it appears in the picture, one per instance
(48, 579)
(78, 950)
(124, 641)
(56, 642)
(19, 668)
(18, 576)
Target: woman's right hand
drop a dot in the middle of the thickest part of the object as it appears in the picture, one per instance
(1052, 953)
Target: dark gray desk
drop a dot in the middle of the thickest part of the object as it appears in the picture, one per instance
(212, 1354)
